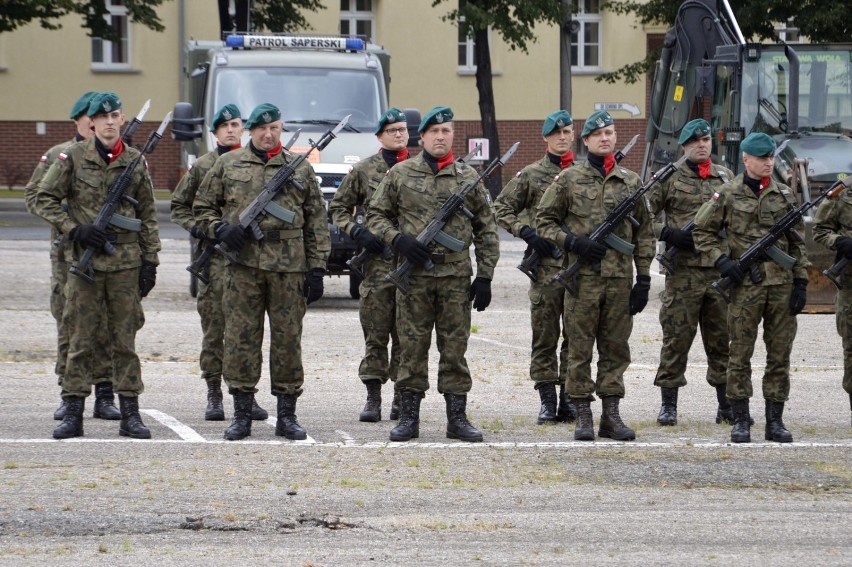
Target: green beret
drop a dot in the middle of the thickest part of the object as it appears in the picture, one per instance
(82, 105)
(556, 121)
(263, 114)
(596, 121)
(391, 115)
(758, 144)
(697, 128)
(104, 103)
(225, 114)
(437, 115)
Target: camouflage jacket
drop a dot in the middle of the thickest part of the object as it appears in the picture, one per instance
(832, 220)
(580, 199)
(678, 198)
(31, 188)
(187, 189)
(235, 179)
(746, 218)
(522, 194)
(410, 195)
(80, 177)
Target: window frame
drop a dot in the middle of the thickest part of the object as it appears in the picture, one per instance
(578, 41)
(106, 47)
(352, 16)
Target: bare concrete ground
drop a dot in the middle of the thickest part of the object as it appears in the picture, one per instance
(528, 496)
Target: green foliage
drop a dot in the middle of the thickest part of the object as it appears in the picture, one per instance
(283, 15)
(17, 13)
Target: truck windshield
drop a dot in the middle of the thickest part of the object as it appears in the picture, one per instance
(311, 98)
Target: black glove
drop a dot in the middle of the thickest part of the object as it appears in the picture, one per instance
(799, 296)
(314, 284)
(537, 243)
(639, 294)
(367, 240)
(88, 235)
(844, 246)
(147, 278)
(679, 238)
(414, 251)
(587, 249)
(480, 293)
(231, 234)
(730, 269)
(196, 232)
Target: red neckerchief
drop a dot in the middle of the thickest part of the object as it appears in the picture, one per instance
(116, 150)
(566, 160)
(274, 151)
(402, 155)
(446, 160)
(764, 183)
(236, 147)
(704, 169)
(609, 163)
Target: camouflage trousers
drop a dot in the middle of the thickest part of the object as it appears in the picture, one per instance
(249, 295)
(112, 302)
(209, 305)
(377, 311)
(443, 304)
(598, 315)
(547, 303)
(102, 363)
(843, 318)
(749, 305)
(688, 302)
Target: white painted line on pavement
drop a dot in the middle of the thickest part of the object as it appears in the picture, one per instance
(185, 432)
(273, 421)
(347, 438)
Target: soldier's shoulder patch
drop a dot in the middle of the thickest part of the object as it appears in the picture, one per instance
(518, 174)
(63, 156)
(43, 158)
(188, 169)
(716, 196)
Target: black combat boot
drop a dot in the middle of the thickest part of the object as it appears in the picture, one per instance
(741, 432)
(724, 413)
(394, 412)
(59, 414)
(611, 425)
(668, 411)
(287, 426)
(257, 412)
(373, 408)
(584, 430)
(775, 430)
(567, 411)
(458, 427)
(105, 403)
(409, 417)
(131, 422)
(240, 427)
(215, 410)
(547, 413)
(72, 422)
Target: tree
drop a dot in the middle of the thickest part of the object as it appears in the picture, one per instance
(514, 20)
(818, 20)
(272, 15)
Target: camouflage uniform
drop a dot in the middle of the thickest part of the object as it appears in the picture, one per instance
(83, 180)
(746, 218)
(405, 202)
(688, 300)
(580, 199)
(269, 276)
(378, 297)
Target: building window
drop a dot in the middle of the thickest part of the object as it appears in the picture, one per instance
(358, 18)
(467, 51)
(586, 41)
(788, 33)
(113, 54)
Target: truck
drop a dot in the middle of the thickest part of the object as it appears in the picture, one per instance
(799, 93)
(314, 80)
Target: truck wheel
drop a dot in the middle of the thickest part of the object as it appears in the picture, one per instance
(354, 283)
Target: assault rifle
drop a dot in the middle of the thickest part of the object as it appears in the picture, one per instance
(765, 247)
(356, 263)
(603, 234)
(263, 204)
(130, 129)
(201, 257)
(108, 216)
(434, 230)
(532, 260)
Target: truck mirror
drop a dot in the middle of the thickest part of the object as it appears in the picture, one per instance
(184, 124)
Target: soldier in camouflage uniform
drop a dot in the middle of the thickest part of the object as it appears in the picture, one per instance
(688, 300)
(580, 199)
(102, 371)
(82, 176)
(227, 127)
(833, 229)
(440, 298)
(277, 276)
(377, 307)
(747, 208)
(521, 196)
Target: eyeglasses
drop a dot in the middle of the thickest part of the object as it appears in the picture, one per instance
(396, 131)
